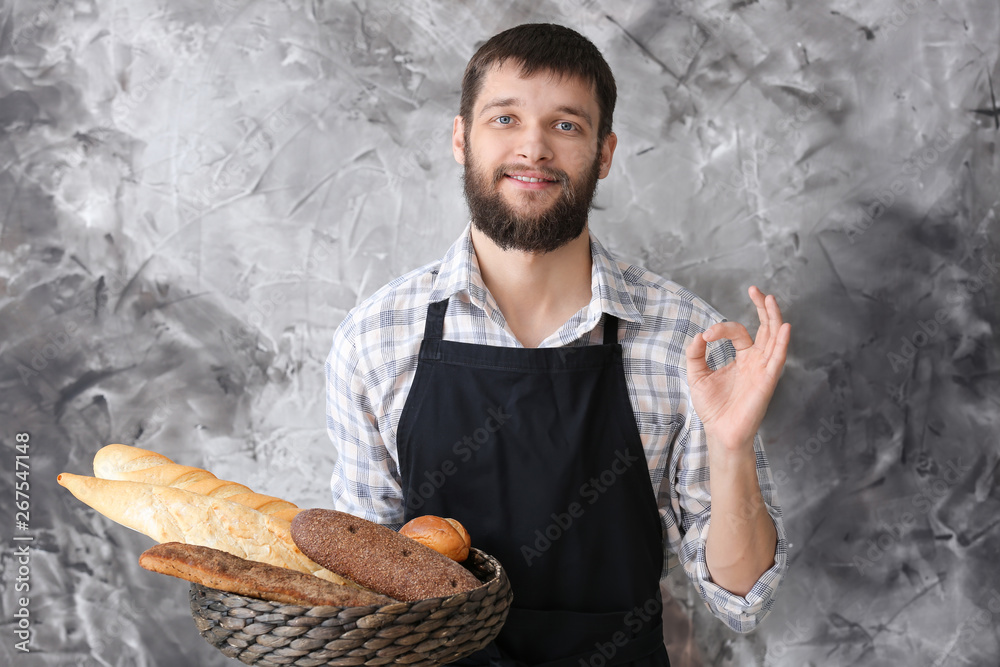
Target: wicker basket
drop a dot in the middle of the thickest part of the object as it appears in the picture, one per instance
(428, 632)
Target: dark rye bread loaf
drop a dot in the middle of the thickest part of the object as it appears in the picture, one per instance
(226, 572)
(377, 557)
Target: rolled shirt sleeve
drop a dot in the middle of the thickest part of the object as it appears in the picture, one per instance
(687, 520)
(741, 613)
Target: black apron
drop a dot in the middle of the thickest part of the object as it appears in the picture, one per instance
(536, 451)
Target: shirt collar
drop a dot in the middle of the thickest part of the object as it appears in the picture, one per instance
(459, 273)
(609, 291)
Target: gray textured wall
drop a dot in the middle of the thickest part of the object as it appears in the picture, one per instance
(193, 194)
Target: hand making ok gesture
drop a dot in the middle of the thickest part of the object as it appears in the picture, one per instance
(731, 401)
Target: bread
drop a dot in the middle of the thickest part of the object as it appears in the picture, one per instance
(132, 464)
(445, 536)
(226, 572)
(174, 515)
(377, 557)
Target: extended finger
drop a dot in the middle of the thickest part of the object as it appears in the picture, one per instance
(777, 359)
(759, 300)
(764, 329)
(775, 322)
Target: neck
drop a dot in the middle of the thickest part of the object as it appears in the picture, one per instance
(536, 292)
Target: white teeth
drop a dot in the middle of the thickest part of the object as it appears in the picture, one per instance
(529, 180)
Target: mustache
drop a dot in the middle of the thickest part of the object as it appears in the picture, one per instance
(554, 174)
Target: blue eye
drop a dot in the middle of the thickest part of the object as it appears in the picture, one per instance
(502, 121)
(563, 126)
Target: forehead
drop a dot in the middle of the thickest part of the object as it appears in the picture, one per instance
(542, 86)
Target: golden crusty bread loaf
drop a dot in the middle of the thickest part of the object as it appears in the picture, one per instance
(132, 464)
(377, 557)
(167, 514)
(226, 572)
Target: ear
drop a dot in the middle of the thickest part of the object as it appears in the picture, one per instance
(458, 140)
(607, 152)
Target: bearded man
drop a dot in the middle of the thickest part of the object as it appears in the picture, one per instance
(590, 423)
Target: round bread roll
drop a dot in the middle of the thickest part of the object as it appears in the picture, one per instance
(446, 536)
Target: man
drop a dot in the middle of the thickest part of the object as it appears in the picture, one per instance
(562, 404)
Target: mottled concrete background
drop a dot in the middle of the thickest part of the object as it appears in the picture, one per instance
(194, 193)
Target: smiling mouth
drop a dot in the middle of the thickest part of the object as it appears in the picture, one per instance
(528, 179)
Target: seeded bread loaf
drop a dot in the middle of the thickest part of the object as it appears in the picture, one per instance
(377, 557)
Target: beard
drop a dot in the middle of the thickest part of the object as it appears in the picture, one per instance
(561, 222)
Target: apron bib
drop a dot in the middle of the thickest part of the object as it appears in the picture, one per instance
(537, 453)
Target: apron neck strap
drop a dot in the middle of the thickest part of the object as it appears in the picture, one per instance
(434, 325)
(610, 329)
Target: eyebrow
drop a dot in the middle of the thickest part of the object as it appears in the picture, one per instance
(500, 102)
(516, 102)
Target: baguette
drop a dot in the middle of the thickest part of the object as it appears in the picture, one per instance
(167, 514)
(377, 557)
(132, 464)
(226, 572)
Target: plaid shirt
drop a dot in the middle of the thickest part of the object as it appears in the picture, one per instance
(374, 357)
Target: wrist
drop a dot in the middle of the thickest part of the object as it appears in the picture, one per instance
(729, 449)
(733, 467)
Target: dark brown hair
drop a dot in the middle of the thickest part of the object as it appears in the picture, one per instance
(541, 47)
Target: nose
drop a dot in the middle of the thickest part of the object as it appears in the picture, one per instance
(533, 145)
